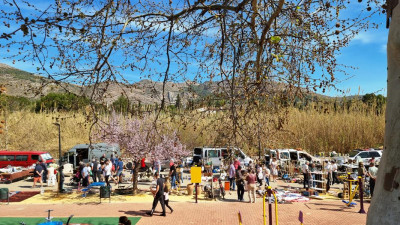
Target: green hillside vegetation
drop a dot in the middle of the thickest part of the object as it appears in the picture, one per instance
(20, 74)
(61, 102)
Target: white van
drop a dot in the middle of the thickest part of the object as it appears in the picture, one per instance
(284, 155)
(216, 154)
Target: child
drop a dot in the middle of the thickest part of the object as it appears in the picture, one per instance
(166, 194)
(123, 220)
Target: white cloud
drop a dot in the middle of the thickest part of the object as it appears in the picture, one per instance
(383, 48)
(369, 37)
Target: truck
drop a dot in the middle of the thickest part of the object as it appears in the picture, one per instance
(86, 152)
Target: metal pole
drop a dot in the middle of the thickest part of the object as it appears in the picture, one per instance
(360, 183)
(195, 187)
(269, 205)
(264, 220)
(59, 157)
(59, 144)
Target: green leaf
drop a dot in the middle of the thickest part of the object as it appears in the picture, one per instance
(275, 39)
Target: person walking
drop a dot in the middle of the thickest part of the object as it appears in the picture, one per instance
(158, 196)
(167, 187)
(37, 174)
(232, 175)
(239, 183)
(251, 186)
(372, 173)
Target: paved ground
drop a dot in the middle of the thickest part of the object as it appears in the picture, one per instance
(315, 212)
(330, 212)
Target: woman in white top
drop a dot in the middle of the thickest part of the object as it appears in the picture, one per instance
(107, 172)
(89, 169)
(51, 177)
(260, 175)
(274, 168)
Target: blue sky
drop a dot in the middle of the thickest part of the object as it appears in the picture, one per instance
(367, 52)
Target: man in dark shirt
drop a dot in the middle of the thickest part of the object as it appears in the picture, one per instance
(103, 159)
(61, 172)
(172, 174)
(37, 174)
(95, 170)
(158, 195)
(44, 176)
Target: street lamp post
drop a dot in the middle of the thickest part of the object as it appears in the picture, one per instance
(59, 157)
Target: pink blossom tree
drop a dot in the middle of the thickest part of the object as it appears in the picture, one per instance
(139, 139)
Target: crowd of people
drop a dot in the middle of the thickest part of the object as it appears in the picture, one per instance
(256, 176)
(331, 171)
(102, 169)
(43, 173)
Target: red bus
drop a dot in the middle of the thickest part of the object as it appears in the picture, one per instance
(23, 159)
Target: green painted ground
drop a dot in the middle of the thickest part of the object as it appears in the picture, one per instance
(89, 220)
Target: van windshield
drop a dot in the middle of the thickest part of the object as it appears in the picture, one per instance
(213, 153)
(353, 153)
(46, 156)
(284, 155)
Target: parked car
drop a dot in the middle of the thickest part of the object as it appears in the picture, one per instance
(365, 155)
(23, 159)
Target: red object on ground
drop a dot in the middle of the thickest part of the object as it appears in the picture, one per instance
(227, 186)
(20, 196)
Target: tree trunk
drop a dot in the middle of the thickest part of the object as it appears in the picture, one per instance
(385, 206)
(135, 177)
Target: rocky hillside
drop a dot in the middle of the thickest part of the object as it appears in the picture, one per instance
(22, 83)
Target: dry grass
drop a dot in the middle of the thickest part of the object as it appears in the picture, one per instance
(312, 130)
(31, 131)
